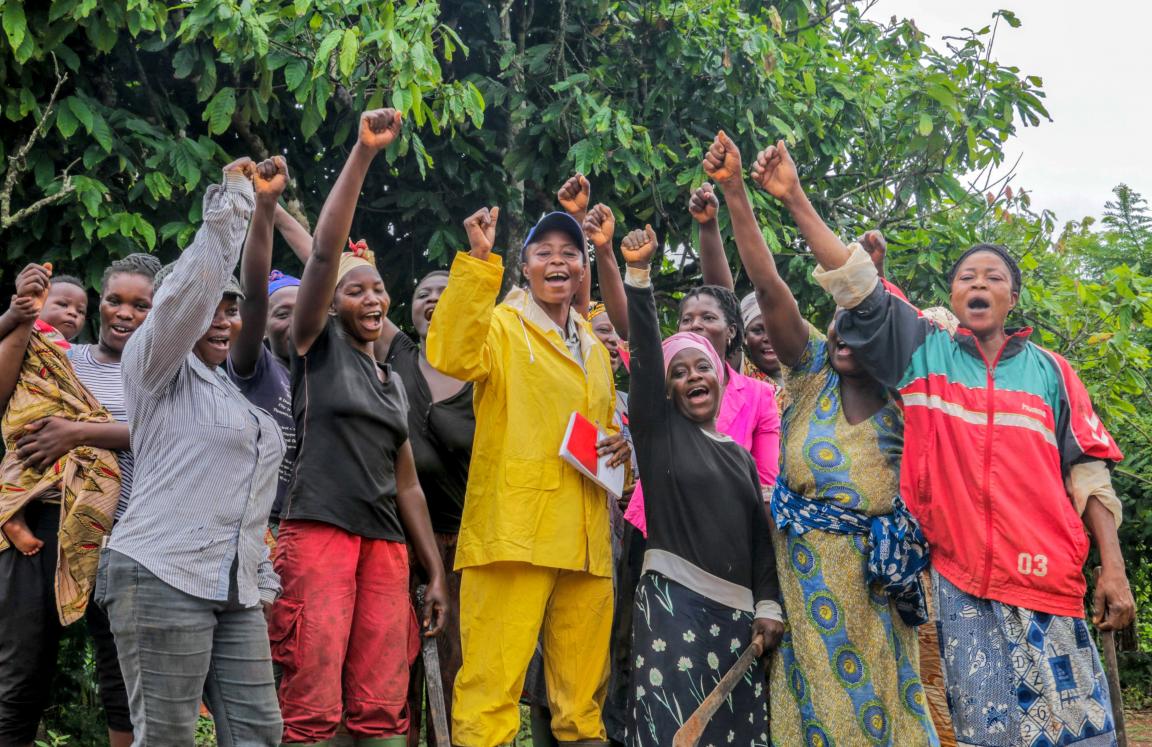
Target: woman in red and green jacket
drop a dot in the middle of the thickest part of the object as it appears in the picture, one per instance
(1005, 465)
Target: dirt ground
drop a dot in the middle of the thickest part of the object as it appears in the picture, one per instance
(1139, 725)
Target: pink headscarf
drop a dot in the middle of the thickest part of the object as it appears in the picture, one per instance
(692, 341)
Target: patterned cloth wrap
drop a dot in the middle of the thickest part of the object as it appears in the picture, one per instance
(898, 551)
(87, 478)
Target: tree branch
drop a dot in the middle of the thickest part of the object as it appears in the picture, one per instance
(18, 164)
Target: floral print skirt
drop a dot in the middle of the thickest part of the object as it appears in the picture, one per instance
(682, 644)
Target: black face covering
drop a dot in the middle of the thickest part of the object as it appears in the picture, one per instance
(999, 251)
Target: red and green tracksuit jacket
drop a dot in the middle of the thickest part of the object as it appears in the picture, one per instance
(987, 445)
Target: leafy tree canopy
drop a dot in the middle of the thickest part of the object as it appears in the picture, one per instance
(117, 114)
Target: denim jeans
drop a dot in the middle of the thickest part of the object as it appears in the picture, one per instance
(176, 649)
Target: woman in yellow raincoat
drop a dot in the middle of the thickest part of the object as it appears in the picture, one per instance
(534, 549)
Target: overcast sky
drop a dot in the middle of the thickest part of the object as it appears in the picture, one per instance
(1096, 62)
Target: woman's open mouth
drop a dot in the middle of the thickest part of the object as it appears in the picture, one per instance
(372, 320)
(979, 303)
(697, 394)
(556, 278)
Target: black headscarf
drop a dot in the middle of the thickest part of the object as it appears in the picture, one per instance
(999, 251)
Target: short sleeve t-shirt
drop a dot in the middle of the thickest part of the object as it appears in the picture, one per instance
(103, 380)
(270, 388)
(349, 427)
(441, 435)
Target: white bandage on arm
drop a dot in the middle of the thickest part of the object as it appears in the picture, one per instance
(852, 282)
(1092, 478)
(638, 277)
(770, 610)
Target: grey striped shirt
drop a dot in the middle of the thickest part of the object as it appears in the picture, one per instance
(206, 459)
(107, 386)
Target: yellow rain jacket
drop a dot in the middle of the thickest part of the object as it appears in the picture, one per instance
(524, 503)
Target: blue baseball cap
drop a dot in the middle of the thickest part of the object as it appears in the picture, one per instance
(557, 221)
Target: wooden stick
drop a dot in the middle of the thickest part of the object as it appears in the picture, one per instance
(435, 685)
(1112, 672)
(690, 733)
(1108, 643)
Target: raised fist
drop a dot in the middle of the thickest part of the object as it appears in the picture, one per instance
(775, 172)
(242, 165)
(574, 196)
(379, 127)
(722, 161)
(481, 230)
(639, 246)
(703, 204)
(269, 178)
(600, 225)
(33, 283)
(877, 247)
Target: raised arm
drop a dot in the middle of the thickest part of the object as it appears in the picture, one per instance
(599, 227)
(573, 196)
(269, 179)
(377, 131)
(31, 289)
(776, 173)
(703, 206)
(647, 400)
(184, 305)
(21, 312)
(297, 236)
(782, 318)
(460, 341)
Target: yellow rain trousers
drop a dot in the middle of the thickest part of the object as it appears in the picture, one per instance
(503, 608)
(534, 538)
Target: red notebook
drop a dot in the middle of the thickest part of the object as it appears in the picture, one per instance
(579, 449)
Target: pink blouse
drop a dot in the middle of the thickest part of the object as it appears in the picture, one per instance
(749, 417)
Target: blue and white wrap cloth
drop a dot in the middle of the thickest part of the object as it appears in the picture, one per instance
(897, 554)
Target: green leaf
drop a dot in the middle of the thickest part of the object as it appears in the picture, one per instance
(218, 113)
(294, 73)
(66, 121)
(1010, 17)
(348, 49)
(207, 83)
(184, 61)
(145, 230)
(101, 133)
(925, 126)
(81, 110)
(300, 7)
(158, 185)
(310, 122)
(320, 66)
(15, 25)
(942, 94)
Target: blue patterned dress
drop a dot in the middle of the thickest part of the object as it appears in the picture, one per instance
(847, 671)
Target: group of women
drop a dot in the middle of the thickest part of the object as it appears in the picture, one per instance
(820, 492)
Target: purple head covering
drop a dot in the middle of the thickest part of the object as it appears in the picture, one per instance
(278, 280)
